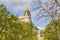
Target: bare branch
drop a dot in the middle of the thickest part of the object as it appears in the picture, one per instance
(48, 9)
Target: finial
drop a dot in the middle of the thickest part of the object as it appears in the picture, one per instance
(26, 7)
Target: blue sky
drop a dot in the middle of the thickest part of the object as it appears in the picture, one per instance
(17, 7)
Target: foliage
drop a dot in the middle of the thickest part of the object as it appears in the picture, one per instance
(52, 31)
(12, 29)
(57, 2)
(42, 33)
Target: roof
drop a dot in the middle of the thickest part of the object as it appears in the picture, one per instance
(27, 12)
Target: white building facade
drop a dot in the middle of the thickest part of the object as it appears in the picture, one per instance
(27, 16)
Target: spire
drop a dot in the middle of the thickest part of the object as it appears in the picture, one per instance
(27, 12)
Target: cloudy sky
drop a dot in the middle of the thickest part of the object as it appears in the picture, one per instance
(17, 7)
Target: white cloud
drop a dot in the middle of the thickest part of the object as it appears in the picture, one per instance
(18, 8)
(15, 1)
(17, 4)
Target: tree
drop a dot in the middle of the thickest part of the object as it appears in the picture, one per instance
(49, 8)
(57, 3)
(51, 33)
(12, 29)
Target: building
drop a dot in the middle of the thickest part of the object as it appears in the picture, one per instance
(27, 16)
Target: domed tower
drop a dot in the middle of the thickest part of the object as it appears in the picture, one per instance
(27, 16)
